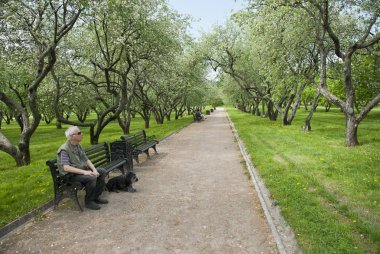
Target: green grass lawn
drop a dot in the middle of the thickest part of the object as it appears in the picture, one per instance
(327, 192)
(26, 188)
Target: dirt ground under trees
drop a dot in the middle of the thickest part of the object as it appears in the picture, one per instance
(193, 196)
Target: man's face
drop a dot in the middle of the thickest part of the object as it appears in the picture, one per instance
(77, 135)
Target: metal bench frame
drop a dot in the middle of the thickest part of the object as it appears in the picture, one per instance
(140, 143)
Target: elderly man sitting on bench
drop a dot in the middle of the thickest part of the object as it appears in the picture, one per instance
(74, 165)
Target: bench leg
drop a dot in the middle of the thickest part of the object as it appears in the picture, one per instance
(136, 157)
(154, 148)
(147, 152)
(57, 197)
(129, 165)
(122, 168)
(67, 192)
(74, 198)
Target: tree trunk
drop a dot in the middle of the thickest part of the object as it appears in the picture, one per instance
(178, 112)
(168, 115)
(159, 116)
(94, 136)
(189, 110)
(256, 109)
(8, 117)
(127, 127)
(263, 113)
(10, 149)
(305, 102)
(47, 120)
(23, 147)
(327, 107)
(351, 123)
(270, 109)
(20, 121)
(58, 124)
(125, 122)
(82, 116)
(307, 126)
(146, 116)
(28, 127)
(285, 113)
(351, 130)
(296, 104)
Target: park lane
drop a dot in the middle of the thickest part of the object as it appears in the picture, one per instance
(194, 196)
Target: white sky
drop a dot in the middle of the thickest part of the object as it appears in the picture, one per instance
(207, 13)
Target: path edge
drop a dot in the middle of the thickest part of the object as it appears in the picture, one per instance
(25, 218)
(281, 231)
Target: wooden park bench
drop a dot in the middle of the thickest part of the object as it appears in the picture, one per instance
(140, 143)
(100, 156)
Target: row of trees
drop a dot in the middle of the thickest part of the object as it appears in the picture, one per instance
(112, 58)
(123, 57)
(279, 54)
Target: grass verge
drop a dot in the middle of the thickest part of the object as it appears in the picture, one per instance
(327, 192)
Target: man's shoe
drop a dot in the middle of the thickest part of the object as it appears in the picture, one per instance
(92, 205)
(100, 200)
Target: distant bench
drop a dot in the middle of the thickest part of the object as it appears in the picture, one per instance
(100, 156)
(140, 143)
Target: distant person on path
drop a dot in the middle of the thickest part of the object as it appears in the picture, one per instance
(74, 165)
(198, 115)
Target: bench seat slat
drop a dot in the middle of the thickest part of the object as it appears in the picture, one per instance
(143, 147)
(113, 164)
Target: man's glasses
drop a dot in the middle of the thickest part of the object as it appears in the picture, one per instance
(79, 133)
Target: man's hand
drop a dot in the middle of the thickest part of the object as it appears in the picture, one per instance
(90, 173)
(92, 167)
(96, 173)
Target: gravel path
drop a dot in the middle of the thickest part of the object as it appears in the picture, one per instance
(194, 196)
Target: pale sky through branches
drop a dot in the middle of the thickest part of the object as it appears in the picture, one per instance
(206, 13)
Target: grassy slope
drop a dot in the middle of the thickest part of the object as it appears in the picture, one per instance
(329, 194)
(26, 188)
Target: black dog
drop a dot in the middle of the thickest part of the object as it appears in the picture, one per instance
(122, 182)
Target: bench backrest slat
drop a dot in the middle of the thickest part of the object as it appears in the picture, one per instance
(135, 139)
(99, 162)
(98, 154)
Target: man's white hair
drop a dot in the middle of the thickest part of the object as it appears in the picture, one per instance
(70, 131)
